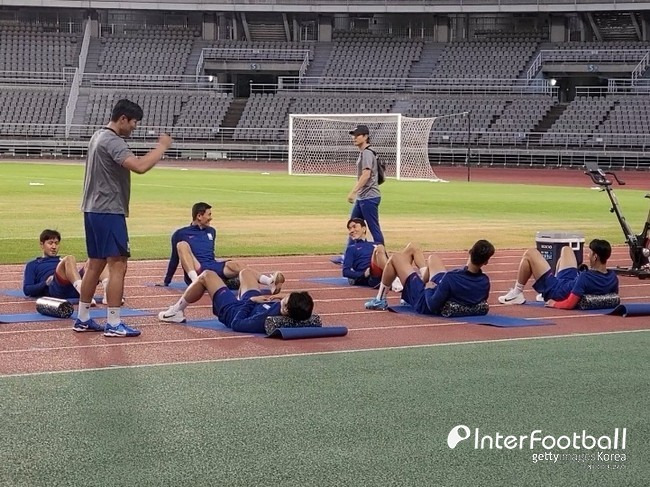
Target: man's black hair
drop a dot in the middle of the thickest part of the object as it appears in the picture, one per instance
(127, 108)
(300, 305)
(199, 209)
(601, 248)
(48, 234)
(481, 252)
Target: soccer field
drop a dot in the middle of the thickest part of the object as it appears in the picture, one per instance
(271, 213)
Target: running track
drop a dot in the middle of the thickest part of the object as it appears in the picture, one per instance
(53, 346)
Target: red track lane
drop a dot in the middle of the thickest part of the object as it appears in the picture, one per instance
(53, 346)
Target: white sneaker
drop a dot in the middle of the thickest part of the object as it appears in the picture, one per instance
(396, 286)
(171, 316)
(278, 280)
(539, 298)
(513, 297)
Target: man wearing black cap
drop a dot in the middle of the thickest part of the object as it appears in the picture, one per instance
(365, 194)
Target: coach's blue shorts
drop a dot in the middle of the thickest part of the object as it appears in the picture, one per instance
(227, 307)
(106, 235)
(217, 266)
(415, 292)
(557, 287)
(62, 289)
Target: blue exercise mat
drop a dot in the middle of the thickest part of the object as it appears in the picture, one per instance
(603, 311)
(17, 293)
(631, 309)
(172, 285)
(489, 319)
(214, 324)
(334, 281)
(94, 313)
(310, 332)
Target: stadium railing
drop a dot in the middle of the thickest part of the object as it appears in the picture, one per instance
(22, 78)
(627, 86)
(409, 85)
(252, 55)
(590, 55)
(215, 135)
(153, 81)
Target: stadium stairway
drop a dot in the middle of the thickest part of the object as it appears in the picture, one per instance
(80, 109)
(322, 53)
(401, 106)
(617, 26)
(550, 118)
(542, 46)
(428, 60)
(233, 115)
(92, 60)
(193, 58)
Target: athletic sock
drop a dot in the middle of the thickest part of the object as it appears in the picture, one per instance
(77, 285)
(193, 275)
(84, 311)
(266, 280)
(519, 287)
(180, 305)
(113, 316)
(383, 291)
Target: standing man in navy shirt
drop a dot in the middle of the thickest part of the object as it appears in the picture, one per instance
(105, 203)
(564, 288)
(428, 292)
(193, 247)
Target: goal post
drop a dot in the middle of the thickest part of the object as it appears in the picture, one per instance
(321, 144)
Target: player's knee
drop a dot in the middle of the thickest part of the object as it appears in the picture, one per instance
(207, 276)
(246, 273)
(566, 251)
(183, 247)
(532, 254)
(234, 267)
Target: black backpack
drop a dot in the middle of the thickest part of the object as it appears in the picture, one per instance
(381, 167)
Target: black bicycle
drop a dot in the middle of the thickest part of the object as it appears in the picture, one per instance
(639, 244)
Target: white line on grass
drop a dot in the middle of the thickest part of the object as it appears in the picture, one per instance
(328, 352)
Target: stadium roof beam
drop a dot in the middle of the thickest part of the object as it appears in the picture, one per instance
(346, 6)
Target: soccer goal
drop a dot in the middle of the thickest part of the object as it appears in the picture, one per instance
(321, 144)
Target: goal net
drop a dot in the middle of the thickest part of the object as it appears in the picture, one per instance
(322, 144)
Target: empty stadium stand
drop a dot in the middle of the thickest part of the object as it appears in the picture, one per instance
(25, 47)
(152, 51)
(33, 112)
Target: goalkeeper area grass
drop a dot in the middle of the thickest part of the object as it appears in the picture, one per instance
(259, 214)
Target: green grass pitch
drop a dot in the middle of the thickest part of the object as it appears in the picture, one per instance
(276, 214)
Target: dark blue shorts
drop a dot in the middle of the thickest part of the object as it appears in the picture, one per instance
(106, 235)
(414, 292)
(62, 289)
(227, 307)
(217, 266)
(370, 281)
(557, 287)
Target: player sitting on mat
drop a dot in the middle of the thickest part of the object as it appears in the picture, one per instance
(52, 275)
(247, 314)
(363, 261)
(467, 286)
(564, 288)
(193, 246)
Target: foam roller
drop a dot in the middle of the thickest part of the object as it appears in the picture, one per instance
(59, 308)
